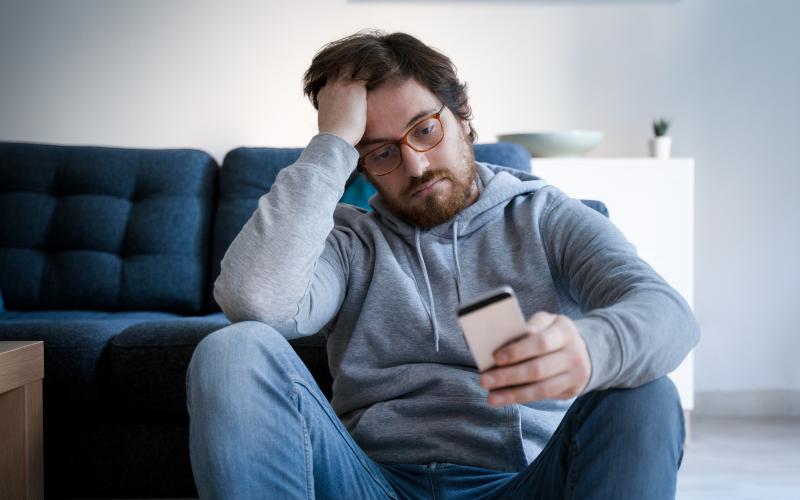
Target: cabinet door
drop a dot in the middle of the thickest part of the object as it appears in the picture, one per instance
(652, 202)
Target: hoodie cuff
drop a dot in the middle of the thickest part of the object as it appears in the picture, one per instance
(605, 352)
(338, 156)
(335, 157)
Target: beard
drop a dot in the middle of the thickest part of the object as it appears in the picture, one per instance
(435, 210)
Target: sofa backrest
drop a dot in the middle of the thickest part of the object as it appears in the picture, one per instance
(248, 173)
(86, 227)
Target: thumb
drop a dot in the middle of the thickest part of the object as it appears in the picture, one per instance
(541, 321)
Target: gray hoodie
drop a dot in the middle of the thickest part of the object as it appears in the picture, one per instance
(385, 293)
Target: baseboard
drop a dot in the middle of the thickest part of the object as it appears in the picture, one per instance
(763, 403)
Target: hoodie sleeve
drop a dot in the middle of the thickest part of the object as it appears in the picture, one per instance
(636, 327)
(287, 267)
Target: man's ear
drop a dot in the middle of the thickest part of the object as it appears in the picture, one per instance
(464, 126)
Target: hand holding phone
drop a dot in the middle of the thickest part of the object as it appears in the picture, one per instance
(489, 322)
(558, 368)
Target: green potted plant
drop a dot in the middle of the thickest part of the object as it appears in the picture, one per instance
(661, 144)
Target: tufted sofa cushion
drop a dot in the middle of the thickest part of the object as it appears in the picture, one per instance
(85, 227)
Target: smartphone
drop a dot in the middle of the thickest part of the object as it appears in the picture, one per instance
(490, 321)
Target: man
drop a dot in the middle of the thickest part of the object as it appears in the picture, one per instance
(410, 415)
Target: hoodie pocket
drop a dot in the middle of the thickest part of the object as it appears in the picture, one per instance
(459, 430)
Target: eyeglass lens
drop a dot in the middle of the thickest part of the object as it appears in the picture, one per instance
(424, 136)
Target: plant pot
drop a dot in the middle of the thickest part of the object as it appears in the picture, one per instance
(660, 147)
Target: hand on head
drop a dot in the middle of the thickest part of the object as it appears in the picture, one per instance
(343, 107)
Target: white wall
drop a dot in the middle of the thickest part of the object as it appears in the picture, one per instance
(216, 75)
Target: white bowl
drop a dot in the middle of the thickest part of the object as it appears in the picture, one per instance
(541, 144)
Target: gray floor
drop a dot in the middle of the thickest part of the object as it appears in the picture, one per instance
(741, 458)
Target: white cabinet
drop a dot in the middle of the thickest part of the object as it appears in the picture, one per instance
(652, 202)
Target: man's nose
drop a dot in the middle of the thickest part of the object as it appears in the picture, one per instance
(414, 162)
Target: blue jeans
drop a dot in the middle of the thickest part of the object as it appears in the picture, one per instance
(261, 428)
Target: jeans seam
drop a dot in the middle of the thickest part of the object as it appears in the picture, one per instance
(551, 442)
(306, 451)
(433, 481)
(574, 449)
(535, 463)
(356, 452)
(187, 385)
(682, 434)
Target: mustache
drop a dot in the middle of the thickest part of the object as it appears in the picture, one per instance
(426, 177)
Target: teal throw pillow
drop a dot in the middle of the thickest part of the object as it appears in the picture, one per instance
(358, 193)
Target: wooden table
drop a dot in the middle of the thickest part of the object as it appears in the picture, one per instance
(21, 440)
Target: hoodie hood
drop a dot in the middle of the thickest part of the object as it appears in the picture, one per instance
(497, 186)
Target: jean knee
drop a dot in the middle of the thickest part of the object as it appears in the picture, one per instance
(662, 396)
(227, 360)
(654, 409)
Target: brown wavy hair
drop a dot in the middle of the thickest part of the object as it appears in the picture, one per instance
(380, 57)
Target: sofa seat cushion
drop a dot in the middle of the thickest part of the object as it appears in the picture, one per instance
(149, 362)
(76, 351)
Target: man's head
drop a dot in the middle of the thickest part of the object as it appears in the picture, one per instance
(406, 82)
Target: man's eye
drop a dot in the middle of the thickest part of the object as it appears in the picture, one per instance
(425, 129)
(382, 154)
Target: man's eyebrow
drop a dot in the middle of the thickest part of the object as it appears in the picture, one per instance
(424, 112)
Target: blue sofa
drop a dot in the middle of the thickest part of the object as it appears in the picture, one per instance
(109, 256)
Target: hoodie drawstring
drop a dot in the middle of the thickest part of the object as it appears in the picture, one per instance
(455, 257)
(432, 309)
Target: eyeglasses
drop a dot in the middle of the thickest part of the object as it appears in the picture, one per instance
(423, 136)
